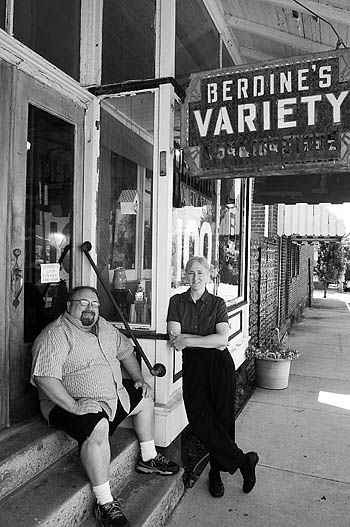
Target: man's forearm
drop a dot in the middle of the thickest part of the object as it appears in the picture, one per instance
(132, 366)
(57, 393)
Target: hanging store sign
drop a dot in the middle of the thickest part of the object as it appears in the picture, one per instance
(276, 118)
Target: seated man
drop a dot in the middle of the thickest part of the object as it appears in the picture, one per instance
(76, 366)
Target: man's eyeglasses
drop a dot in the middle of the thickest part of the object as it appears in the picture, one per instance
(86, 303)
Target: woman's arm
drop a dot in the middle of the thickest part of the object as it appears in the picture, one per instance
(174, 329)
(179, 340)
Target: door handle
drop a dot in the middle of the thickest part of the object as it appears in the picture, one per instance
(17, 280)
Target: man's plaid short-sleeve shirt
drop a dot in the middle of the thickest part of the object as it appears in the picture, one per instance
(87, 364)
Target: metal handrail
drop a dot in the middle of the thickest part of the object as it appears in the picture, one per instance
(158, 370)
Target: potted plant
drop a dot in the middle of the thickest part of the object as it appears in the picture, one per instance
(272, 362)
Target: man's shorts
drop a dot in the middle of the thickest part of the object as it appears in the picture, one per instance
(80, 427)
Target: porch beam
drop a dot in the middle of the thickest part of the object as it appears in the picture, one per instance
(331, 13)
(279, 36)
(215, 11)
(91, 42)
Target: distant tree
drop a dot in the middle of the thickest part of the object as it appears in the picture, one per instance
(347, 262)
(330, 264)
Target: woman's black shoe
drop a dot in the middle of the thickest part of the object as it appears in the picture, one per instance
(248, 472)
(216, 486)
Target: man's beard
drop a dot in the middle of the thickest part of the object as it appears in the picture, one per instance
(87, 318)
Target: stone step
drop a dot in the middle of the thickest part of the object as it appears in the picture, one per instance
(147, 500)
(61, 494)
(27, 449)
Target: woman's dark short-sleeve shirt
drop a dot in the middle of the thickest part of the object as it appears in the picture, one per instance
(198, 318)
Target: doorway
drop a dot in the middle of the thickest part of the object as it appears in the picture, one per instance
(45, 178)
(48, 219)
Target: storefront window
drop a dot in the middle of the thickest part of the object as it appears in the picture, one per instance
(231, 238)
(52, 29)
(125, 195)
(128, 45)
(207, 222)
(208, 219)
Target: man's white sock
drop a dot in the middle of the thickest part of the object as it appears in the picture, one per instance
(103, 493)
(148, 450)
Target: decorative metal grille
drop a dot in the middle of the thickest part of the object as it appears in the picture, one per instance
(263, 290)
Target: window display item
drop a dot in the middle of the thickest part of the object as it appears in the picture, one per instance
(119, 278)
(140, 292)
(129, 201)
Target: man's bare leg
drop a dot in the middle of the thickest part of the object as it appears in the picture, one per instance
(95, 454)
(143, 419)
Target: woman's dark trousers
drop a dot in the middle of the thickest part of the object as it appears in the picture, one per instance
(209, 385)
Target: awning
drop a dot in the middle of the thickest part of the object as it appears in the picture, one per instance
(312, 189)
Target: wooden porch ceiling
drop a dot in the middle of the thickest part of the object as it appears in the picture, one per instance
(261, 30)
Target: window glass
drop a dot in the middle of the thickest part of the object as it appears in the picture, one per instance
(128, 40)
(125, 196)
(147, 221)
(230, 238)
(2, 13)
(50, 169)
(295, 258)
(52, 29)
(207, 221)
(197, 40)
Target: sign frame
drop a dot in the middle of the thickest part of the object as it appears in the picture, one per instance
(280, 117)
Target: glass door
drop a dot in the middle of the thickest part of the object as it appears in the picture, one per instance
(48, 219)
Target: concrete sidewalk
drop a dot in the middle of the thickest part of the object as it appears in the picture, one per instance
(303, 477)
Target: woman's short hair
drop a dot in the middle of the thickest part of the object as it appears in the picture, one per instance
(75, 290)
(197, 259)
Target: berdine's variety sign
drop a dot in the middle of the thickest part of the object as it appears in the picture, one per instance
(285, 117)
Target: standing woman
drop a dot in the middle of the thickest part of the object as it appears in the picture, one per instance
(198, 325)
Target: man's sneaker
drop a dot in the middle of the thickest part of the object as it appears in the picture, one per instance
(158, 465)
(110, 515)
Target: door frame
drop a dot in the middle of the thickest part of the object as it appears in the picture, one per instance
(6, 76)
(24, 90)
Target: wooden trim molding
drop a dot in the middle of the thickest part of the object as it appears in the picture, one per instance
(238, 314)
(26, 60)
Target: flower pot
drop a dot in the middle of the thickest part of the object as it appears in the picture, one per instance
(272, 373)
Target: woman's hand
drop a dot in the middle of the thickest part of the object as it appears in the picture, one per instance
(177, 341)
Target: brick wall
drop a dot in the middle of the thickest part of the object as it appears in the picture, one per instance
(264, 279)
(295, 281)
(279, 284)
(258, 219)
(299, 284)
(273, 219)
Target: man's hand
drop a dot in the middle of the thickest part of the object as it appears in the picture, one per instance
(133, 368)
(86, 406)
(146, 389)
(57, 393)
